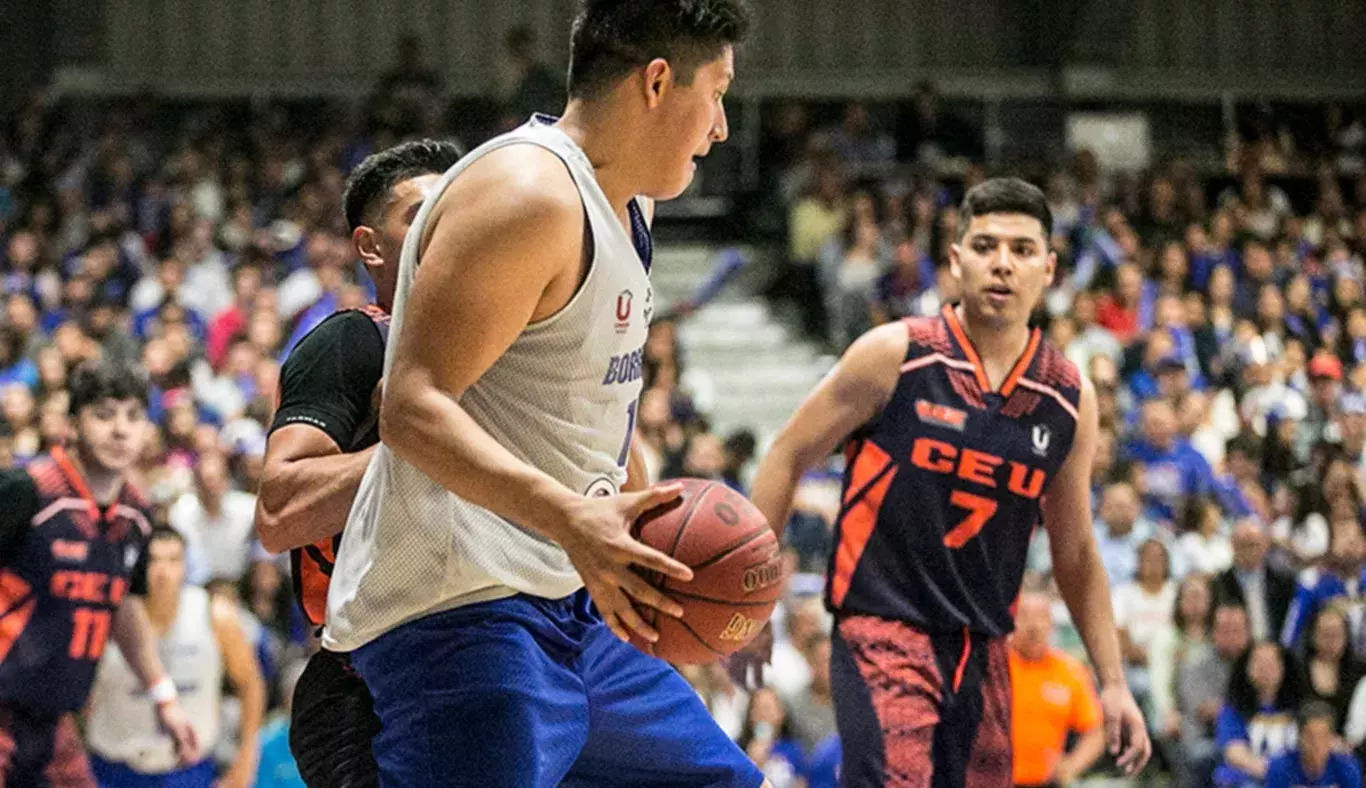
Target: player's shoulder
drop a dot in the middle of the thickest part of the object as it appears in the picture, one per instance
(43, 476)
(340, 332)
(1054, 369)
(877, 355)
(522, 175)
(927, 335)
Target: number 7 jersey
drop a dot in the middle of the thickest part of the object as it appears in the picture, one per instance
(944, 487)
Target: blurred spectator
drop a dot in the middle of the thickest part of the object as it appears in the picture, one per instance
(1052, 696)
(1204, 542)
(815, 220)
(1173, 652)
(1337, 582)
(929, 135)
(1331, 671)
(408, 94)
(1144, 608)
(1201, 690)
(277, 768)
(866, 151)
(1175, 471)
(740, 448)
(1257, 724)
(1314, 762)
(769, 741)
(529, 85)
(1264, 591)
(218, 523)
(813, 710)
(1120, 532)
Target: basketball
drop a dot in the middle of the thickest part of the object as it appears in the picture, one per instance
(737, 572)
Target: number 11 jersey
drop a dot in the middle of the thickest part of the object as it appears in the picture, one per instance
(944, 487)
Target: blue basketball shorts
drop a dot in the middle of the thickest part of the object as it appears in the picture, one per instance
(526, 692)
(111, 774)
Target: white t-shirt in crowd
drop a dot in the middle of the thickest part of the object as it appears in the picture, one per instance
(215, 547)
(1141, 614)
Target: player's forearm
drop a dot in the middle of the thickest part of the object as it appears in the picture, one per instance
(252, 694)
(132, 631)
(1086, 590)
(303, 501)
(775, 485)
(637, 474)
(429, 430)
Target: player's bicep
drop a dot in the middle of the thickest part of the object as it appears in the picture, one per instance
(851, 395)
(1067, 498)
(498, 243)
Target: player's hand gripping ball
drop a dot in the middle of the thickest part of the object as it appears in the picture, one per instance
(737, 572)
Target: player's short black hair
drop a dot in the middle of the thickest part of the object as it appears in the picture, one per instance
(373, 179)
(165, 533)
(1005, 195)
(613, 37)
(96, 381)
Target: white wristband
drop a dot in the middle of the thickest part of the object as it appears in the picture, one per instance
(163, 691)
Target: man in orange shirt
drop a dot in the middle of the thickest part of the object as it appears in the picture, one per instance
(1052, 695)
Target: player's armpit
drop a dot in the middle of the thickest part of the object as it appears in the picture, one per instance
(307, 487)
(504, 247)
(848, 397)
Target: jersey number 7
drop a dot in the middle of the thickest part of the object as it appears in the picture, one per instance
(980, 509)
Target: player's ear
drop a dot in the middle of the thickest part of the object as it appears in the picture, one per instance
(954, 267)
(659, 77)
(366, 241)
(1052, 266)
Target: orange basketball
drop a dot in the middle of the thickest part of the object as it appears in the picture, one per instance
(737, 572)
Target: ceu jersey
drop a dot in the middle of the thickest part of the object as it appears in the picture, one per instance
(943, 489)
(122, 725)
(562, 398)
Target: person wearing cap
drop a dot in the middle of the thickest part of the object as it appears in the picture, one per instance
(1324, 371)
(1175, 471)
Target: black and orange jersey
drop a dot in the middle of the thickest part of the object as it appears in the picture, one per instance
(328, 382)
(65, 565)
(943, 488)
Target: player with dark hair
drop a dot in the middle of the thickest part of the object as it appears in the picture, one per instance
(320, 442)
(485, 582)
(202, 642)
(72, 535)
(963, 432)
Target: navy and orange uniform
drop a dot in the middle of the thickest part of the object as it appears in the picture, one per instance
(942, 491)
(66, 563)
(328, 383)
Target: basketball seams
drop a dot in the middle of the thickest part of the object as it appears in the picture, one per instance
(687, 516)
(730, 548)
(725, 602)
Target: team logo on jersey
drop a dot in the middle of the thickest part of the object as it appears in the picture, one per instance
(69, 551)
(623, 311)
(941, 415)
(1042, 435)
(602, 487)
(130, 557)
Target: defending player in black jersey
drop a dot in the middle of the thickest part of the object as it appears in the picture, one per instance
(321, 440)
(72, 535)
(963, 431)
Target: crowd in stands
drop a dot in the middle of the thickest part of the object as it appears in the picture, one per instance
(1225, 332)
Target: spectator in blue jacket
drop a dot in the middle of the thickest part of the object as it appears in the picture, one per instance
(1340, 580)
(1175, 471)
(1314, 764)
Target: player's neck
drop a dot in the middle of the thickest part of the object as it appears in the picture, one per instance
(591, 125)
(162, 611)
(103, 484)
(998, 347)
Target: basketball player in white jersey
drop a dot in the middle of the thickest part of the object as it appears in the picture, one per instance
(198, 643)
(485, 582)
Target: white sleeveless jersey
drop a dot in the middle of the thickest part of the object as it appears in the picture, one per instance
(122, 724)
(561, 398)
